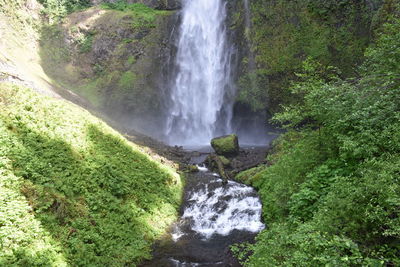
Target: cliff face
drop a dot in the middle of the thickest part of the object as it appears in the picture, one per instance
(282, 34)
(115, 59)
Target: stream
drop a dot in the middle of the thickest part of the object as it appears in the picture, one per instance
(213, 216)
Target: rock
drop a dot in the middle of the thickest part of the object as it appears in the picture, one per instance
(126, 64)
(192, 168)
(224, 161)
(167, 4)
(216, 163)
(226, 145)
(209, 162)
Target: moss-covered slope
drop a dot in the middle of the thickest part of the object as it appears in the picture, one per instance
(73, 192)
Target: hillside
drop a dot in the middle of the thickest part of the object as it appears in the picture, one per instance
(331, 192)
(280, 35)
(74, 191)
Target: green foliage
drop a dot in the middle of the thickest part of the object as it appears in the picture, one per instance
(303, 203)
(241, 251)
(144, 15)
(72, 190)
(57, 9)
(385, 54)
(18, 17)
(252, 91)
(285, 245)
(123, 5)
(85, 43)
(296, 155)
(284, 33)
(127, 80)
(332, 194)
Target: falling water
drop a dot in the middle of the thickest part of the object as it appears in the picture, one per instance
(202, 90)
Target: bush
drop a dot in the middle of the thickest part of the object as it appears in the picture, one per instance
(145, 16)
(332, 194)
(57, 9)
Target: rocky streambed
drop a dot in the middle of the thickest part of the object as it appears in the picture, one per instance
(215, 213)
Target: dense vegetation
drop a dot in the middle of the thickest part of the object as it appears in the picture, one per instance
(55, 10)
(73, 191)
(331, 195)
(284, 33)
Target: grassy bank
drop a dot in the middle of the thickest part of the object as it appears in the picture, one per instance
(73, 191)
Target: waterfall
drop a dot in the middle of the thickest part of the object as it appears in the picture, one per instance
(202, 90)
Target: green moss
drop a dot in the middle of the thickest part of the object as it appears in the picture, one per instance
(226, 145)
(81, 194)
(224, 160)
(131, 60)
(144, 15)
(55, 55)
(284, 33)
(192, 168)
(249, 175)
(127, 80)
(86, 43)
(91, 92)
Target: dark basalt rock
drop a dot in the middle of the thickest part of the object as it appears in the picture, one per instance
(247, 158)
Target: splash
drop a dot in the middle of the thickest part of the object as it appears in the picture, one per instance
(217, 210)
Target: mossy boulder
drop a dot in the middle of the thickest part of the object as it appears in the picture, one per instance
(227, 145)
(192, 168)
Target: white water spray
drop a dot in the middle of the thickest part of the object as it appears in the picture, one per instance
(221, 210)
(201, 95)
